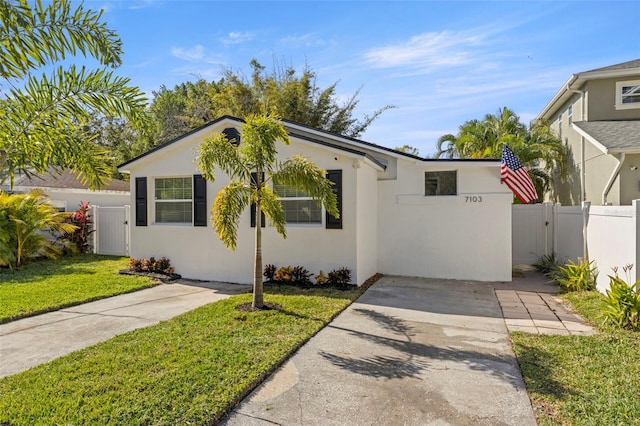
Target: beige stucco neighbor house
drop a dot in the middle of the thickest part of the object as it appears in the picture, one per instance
(66, 191)
(400, 214)
(597, 114)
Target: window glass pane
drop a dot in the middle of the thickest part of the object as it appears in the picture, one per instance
(173, 212)
(173, 188)
(440, 183)
(288, 191)
(302, 211)
(630, 94)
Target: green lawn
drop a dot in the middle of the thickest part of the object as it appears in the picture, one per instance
(49, 285)
(583, 380)
(189, 370)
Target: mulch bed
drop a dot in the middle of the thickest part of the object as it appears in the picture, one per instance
(165, 278)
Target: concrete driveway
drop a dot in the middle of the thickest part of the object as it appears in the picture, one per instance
(410, 351)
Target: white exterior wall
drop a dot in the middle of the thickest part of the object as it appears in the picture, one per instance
(367, 223)
(197, 252)
(445, 236)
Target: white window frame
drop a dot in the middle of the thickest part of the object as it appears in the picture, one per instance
(307, 198)
(156, 200)
(619, 95)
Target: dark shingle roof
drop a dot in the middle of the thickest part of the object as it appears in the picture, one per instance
(615, 136)
(65, 180)
(622, 66)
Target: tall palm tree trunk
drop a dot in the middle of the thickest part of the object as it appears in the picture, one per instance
(258, 290)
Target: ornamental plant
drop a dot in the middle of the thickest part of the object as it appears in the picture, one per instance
(82, 219)
(623, 301)
(579, 276)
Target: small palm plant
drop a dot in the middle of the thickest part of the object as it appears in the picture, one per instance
(24, 221)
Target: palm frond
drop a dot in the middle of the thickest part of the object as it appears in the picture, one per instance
(227, 208)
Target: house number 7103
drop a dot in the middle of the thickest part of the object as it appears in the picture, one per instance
(473, 199)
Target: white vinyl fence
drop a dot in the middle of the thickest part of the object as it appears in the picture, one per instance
(613, 236)
(111, 234)
(542, 229)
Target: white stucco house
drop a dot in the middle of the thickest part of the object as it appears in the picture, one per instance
(400, 214)
(66, 191)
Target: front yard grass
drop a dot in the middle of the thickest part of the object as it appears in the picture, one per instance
(48, 285)
(583, 380)
(188, 370)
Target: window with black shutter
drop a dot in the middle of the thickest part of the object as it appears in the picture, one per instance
(254, 178)
(141, 201)
(199, 201)
(335, 176)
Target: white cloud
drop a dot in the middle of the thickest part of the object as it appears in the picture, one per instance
(236, 37)
(197, 53)
(428, 51)
(193, 54)
(304, 40)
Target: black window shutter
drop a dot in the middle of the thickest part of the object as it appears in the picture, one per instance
(199, 201)
(254, 176)
(141, 201)
(335, 176)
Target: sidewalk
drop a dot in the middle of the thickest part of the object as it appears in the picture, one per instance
(529, 304)
(31, 341)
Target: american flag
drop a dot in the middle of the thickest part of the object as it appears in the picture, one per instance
(516, 177)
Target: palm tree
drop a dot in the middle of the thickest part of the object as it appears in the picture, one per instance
(45, 117)
(537, 148)
(23, 218)
(250, 167)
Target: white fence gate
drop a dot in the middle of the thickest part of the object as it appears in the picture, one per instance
(111, 234)
(541, 229)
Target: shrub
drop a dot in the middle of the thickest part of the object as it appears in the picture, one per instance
(321, 278)
(301, 275)
(162, 265)
(549, 265)
(79, 237)
(340, 276)
(23, 218)
(269, 271)
(579, 276)
(284, 274)
(623, 302)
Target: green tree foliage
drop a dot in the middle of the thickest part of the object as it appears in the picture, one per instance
(537, 148)
(45, 117)
(282, 92)
(23, 218)
(250, 167)
(408, 149)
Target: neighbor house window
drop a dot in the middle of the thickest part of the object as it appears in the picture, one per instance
(628, 94)
(441, 183)
(298, 206)
(173, 200)
(570, 114)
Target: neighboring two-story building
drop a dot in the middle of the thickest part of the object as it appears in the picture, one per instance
(597, 114)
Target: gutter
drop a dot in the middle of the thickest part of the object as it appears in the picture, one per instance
(613, 177)
(583, 115)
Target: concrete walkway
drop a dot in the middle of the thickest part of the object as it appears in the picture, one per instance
(31, 341)
(409, 351)
(529, 304)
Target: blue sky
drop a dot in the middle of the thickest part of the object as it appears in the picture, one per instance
(439, 63)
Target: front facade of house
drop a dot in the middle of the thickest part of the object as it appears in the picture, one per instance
(597, 114)
(400, 214)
